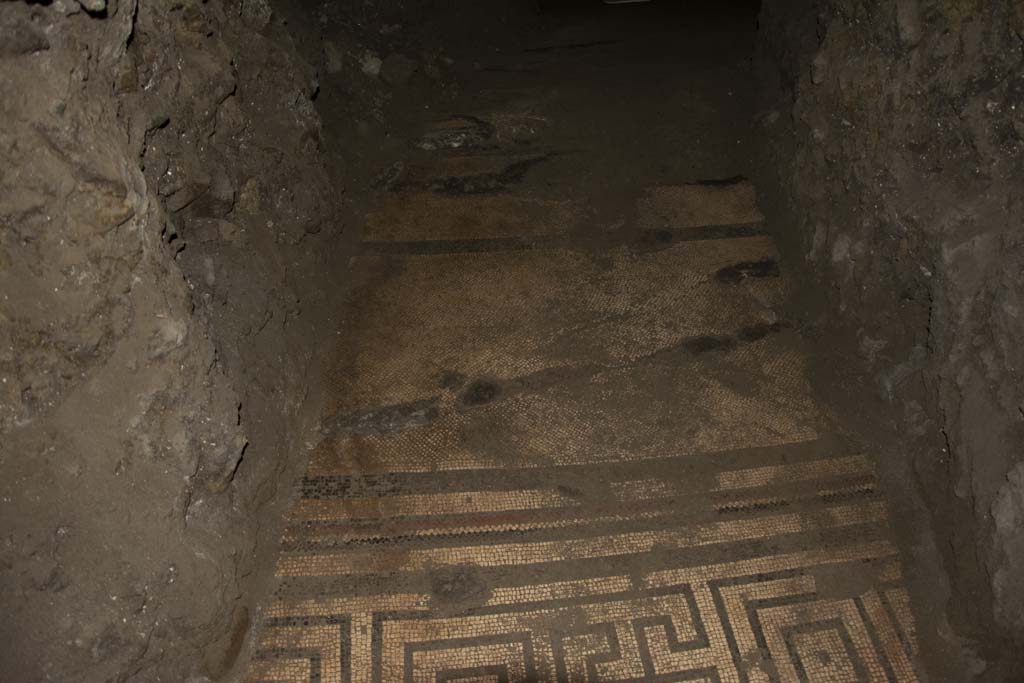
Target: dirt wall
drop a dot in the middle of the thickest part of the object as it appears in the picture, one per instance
(163, 269)
(893, 168)
(176, 225)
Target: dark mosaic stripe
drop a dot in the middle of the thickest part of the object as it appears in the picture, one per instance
(403, 531)
(876, 641)
(648, 238)
(697, 469)
(556, 570)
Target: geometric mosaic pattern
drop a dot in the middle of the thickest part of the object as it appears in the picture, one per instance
(548, 463)
(759, 620)
(501, 583)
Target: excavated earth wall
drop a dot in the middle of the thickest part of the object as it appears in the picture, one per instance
(164, 209)
(893, 169)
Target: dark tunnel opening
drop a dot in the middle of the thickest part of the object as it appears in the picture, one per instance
(527, 340)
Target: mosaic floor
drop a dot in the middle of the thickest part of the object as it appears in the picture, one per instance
(544, 462)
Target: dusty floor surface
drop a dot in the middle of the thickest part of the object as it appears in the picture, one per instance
(570, 435)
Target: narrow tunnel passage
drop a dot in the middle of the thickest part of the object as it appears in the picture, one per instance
(515, 340)
(569, 434)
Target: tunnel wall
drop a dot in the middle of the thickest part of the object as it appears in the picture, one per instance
(893, 170)
(162, 222)
(175, 232)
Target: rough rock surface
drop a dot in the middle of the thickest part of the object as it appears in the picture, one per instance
(161, 220)
(170, 254)
(896, 152)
